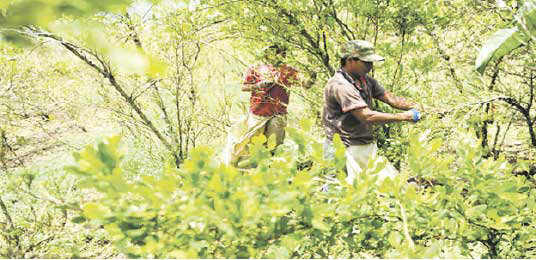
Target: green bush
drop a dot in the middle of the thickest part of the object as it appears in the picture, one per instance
(460, 206)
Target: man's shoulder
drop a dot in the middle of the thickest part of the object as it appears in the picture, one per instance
(371, 80)
(338, 80)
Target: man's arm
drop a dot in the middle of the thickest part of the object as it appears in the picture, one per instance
(297, 78)
(248, 87)
(396, 102)
(373, 117)
(256, 80)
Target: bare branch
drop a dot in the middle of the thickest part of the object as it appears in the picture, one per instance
(105, 70)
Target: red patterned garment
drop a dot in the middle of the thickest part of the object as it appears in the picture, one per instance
(272, 99)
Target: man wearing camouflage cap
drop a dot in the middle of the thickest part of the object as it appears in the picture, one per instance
(348, 109)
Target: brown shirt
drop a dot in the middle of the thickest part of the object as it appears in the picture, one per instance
(342, 95)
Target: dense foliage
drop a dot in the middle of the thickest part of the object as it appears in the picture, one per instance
(162, 78)
(277, 210)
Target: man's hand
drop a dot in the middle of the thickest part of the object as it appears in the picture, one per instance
(408, 116)
(416, 115)
(412, 115)
(304, 82)
(311, 81)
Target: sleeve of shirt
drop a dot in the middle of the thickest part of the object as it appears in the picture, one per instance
(292, 74)
(348, 97)
(376, 89)
(287, 76)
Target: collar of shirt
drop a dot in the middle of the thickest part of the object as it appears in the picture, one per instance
(360, 86)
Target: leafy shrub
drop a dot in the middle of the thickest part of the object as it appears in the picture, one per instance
(460, 206)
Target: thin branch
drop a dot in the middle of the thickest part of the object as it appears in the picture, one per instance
(470, 104)
(515, 104)
(35, 245)
(406, 229)
(324, 57)
(446, 58)
(134, 34)
(531, 87)
(152, 83)
(6, 214)
(347, 32)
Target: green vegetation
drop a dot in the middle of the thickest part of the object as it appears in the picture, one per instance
(113, 115)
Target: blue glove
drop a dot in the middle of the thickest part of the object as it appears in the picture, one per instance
(416, 115)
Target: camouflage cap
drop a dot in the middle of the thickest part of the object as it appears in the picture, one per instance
(360, 49)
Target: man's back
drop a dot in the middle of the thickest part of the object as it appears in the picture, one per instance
(274, 98)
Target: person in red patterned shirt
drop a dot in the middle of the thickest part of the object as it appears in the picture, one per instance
(269, 83)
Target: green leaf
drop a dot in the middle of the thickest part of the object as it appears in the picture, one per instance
(319, 224)
(306, 125)
(340, 151)
(528, 16)
(394, 239)
(499, 44)
(476, 210)
(280, 253)
(183, 254)
(215, 183)
(106, 157)
(291, 242)
(432, 251)
(435, 145)
(244, 163)
(505, 41)
(79, 219)
(303, 179)
(93, 211)
(512, 196)
(272, 142)
(5, 3)
(258, 140)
